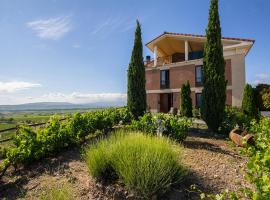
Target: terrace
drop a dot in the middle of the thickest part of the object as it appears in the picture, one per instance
(171, 48)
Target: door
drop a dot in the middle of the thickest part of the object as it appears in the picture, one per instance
(166, 102)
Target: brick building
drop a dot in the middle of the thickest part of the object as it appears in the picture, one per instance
(178, 58)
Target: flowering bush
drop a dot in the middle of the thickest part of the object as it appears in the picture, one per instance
(163, 124)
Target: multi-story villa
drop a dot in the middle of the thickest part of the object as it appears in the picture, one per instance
(178, 58)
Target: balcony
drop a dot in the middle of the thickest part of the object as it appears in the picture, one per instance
(174, 58)
(169, 49)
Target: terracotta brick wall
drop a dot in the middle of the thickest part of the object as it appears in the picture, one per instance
(152, 78)
(179, 75)
(176, 100)
(152, 101)
(229, 97)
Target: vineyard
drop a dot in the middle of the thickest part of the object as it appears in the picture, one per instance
(131, 156)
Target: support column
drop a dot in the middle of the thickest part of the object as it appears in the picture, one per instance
(155, 55)
(186, 50)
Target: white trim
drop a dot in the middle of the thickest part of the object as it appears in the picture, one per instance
(239, 43)
(193, 89)
(155, 55)
(186, 50)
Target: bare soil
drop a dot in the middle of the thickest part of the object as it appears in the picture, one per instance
(213, 164)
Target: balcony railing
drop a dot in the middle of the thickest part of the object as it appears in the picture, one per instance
(164, 84)
(169, 59)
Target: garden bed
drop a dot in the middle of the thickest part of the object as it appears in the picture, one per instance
(214, 166)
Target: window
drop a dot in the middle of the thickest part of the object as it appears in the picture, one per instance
(198, 75)
(195, 55)
(178, 57)
(198, 99)
(164, 79)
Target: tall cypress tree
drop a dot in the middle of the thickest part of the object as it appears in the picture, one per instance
(214, 83)
(136, 97)
(186, 101)
(249, 106)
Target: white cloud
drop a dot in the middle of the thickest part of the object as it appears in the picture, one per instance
(76, 97)
(76, 46)
(13, 86)
(111, 24)
(261, 78)
(52, 28)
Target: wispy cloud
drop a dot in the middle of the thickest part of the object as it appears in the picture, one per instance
(261, 78)
(111, 24)
(52, 28)
(75, 97)
(13, 86)
(76, 46)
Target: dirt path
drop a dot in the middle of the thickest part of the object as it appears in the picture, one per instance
(214, 166)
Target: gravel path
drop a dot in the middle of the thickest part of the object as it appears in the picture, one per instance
(214, 165)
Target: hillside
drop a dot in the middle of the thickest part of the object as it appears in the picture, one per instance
(58, 105)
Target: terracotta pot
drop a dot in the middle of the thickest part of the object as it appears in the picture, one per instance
(235, 136)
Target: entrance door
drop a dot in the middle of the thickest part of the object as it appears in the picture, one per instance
(166, 102)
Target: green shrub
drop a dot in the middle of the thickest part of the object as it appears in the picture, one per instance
(249, 106)
(33, 144)
(259, 161)
(196, 113)
(3, 152)
(146, 165)
(234, 117)
(266, 100)
(79, 126)
(163, 124)
(186, 101)
(262, 94)
(98, 161)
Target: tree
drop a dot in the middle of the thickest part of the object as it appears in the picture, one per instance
(186, 101)
(249, 106)
(262, 96)
(214, 83)
(136, 95)
(266, 99)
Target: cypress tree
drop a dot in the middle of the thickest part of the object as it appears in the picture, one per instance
(214, 83)
(136, 95)
(186, 101)
(249, 106)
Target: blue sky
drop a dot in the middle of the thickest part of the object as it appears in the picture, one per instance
(78, 51)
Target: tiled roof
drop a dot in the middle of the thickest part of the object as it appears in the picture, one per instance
(195, 35)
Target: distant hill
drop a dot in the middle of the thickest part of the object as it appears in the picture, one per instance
(57, 105)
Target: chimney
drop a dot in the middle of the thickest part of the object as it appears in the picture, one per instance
(148, 59)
